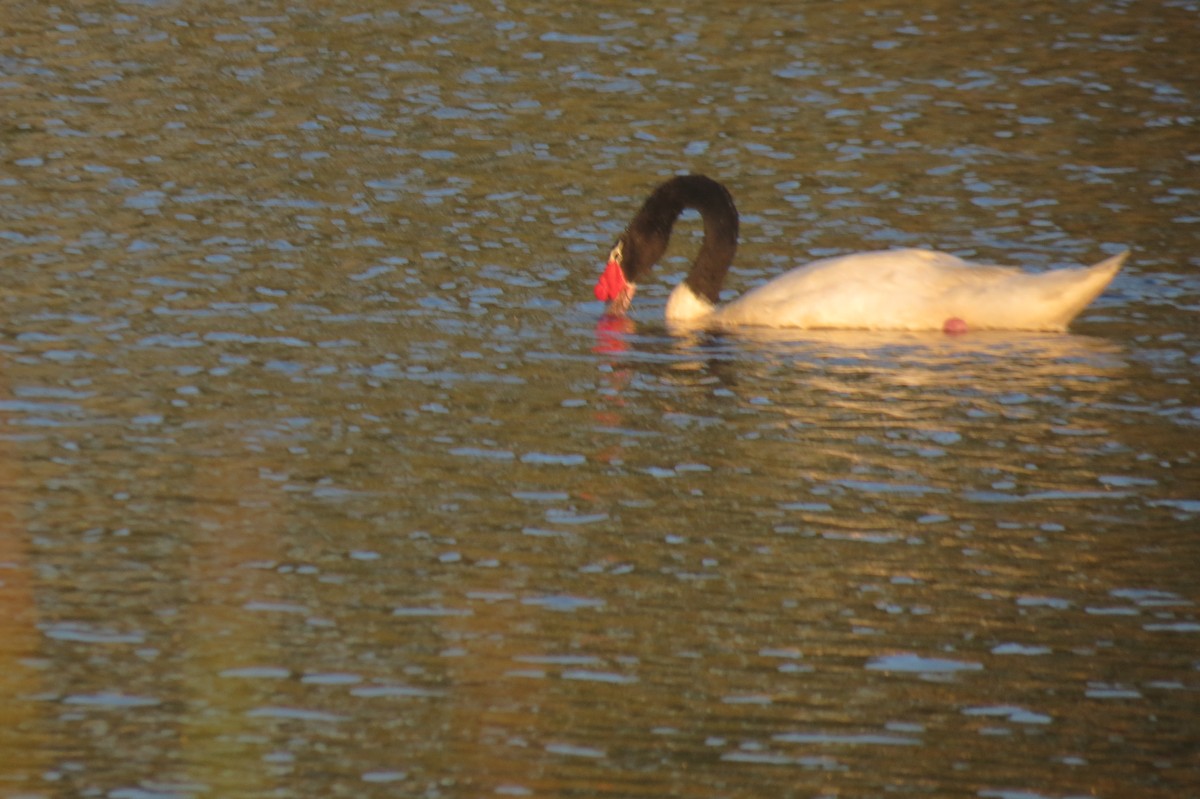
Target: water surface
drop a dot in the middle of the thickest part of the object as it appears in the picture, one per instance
(322, 476)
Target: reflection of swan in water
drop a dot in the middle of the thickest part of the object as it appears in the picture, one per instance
(886, 290)
(1004, 361)
(922, 343)
(872, 362)
(910, 416)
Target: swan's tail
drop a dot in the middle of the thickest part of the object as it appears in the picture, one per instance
(1016, 300)
(1076, 288)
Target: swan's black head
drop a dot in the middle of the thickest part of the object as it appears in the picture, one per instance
(615, 287)
(643, 243)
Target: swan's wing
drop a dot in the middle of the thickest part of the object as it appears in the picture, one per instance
(919, 290)
(888, 289)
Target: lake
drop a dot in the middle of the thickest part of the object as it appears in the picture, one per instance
(323, 475)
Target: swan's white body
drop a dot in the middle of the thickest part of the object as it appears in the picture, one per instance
(905, 290)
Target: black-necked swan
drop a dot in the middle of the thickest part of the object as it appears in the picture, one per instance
(884, 290)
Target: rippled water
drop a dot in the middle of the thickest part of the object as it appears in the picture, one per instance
(321, 475)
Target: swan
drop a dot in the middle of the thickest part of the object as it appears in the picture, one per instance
(910, 289)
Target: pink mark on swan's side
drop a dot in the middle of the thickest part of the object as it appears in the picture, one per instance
(954, 326)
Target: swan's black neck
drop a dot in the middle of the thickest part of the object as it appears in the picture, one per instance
(646, 238)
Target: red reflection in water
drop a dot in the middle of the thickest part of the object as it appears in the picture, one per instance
(611, 339)
(610, 333)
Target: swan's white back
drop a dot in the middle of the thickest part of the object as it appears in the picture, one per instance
(910, 290)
